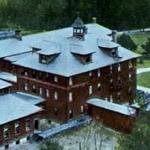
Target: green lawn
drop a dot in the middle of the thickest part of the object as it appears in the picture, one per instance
(140, 39)
(145, 64)
(143, 79)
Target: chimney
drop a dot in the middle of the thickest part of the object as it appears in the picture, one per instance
(18, 35)
(114, 35)
(94, 19)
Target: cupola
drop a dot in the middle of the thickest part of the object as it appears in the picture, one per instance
(79, 29)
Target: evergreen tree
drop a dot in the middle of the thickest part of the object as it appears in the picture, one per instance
(126, 41)
(146, 47)
(139, 138)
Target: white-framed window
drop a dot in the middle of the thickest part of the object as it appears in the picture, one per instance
(6, 133)
(26, 73)
(56, 95)
(90, 89)
(17, 128)
(55, 79)
(28, 125)
(98, 86)
(70, 97)
(130, 76)
(111, 80)
(26, 86)
(47, 92)
(111, 98)
(98, 73)
(82, 108)
(118, 94)
(70, 81)
(111, 68)
(130, 64)
(90, 74)
(41, 91)
(119, 67)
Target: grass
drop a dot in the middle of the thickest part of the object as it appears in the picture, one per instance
(143, 79)
(145, 64)
(140, 39)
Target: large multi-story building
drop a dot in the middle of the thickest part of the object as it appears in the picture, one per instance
(71, 72)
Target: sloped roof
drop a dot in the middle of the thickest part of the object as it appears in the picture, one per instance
(65, 64)
(12, 108)
(4, 84)
(122, 109)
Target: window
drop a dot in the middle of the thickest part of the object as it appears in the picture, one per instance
(111, 68)
(99, 86)
(17, 128)
(98, 73)
(130, 76)
(47, 93)
(130, 64)
(70, 96)
(55, 95)
(55, 111)
(26, 73)
(82, 108)
(33, 88)
(90, 74)
(111, 98)
(70, 81)
(41, 91)
(119, 67)
(118, 94)
(6, 133)
(28, 125)
(26, 86)
(55, 79)
(90, 90)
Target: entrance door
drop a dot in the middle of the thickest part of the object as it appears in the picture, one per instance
(36, 124)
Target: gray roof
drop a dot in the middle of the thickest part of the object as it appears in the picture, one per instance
(13, 108)
(81, 49)
(122, 109)
(66, 64)
(103, 43)
(8, 76)
(4, 84)
(29, 98)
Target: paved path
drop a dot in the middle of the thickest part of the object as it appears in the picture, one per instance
(139, 71)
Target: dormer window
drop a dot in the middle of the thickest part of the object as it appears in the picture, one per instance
(47, 52)
(83, 54)
(109, 48)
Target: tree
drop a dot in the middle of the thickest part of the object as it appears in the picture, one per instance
(127, 42)
(50, 145)
(146, 47)
(139, 138)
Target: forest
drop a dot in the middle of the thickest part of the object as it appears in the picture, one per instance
(52, 14)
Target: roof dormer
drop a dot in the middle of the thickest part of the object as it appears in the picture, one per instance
(47, 52)
(83, 54)
(109, 47)
(79, 29)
